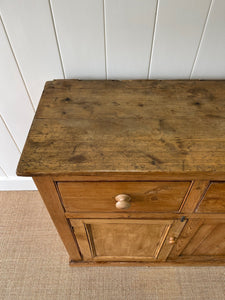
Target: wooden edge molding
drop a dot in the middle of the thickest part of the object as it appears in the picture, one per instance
(195, 194)
(141, 215)
(125, 176)
(174, 263)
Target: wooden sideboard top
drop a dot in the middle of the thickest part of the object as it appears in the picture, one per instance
(142, 126)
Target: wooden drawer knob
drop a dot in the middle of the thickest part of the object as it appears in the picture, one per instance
(172, 240)
(122, 201)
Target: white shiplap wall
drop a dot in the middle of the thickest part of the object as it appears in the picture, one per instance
(129, 26)
(103, 39)
(80, 30)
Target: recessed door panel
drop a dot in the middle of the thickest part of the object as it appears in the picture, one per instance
(125, 240)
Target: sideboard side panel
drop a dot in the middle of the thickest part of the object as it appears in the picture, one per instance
(48, 192)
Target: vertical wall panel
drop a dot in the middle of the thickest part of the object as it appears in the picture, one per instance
(179, 27)
(15, 106)
(80, 30)
(129, 30)
(210, 62)
(9, 154)
(31, 33)
(2, 174)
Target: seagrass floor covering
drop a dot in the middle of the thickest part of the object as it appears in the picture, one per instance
(34, 265)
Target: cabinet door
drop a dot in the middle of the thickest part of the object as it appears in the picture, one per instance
(201, 240)
(126, 240)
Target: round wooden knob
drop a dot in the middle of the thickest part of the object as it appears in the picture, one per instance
(122, 201)
(172, 240)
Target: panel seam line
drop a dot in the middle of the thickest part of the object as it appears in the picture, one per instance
(56, 38)
(153, 38)
(105, 40)
(17, 64)
(7, 128)
(201, 39)
(3, 172)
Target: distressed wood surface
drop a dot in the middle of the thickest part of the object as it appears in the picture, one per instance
(51, 199)
(196, 192)
(189, 230)
(145, 196)
(205, 240)
(187, 261)
(123, 240)
(127, 126)
(214, 199)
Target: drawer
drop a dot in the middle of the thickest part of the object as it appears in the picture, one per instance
(145, 196)
(214, 199)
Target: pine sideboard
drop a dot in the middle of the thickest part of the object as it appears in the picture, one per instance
(132, 172)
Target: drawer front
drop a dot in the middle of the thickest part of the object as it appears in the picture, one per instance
(145, 196)
(214, 199)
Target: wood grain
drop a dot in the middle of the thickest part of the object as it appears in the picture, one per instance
(198, 238)
(80, 231)
(197, 191)
(127, 126)
(136, 176)
(187, 261)
(161, 143)
(174, 233)
(189, 230)
(214, 244)
(145, 196)
(51, 199)
(141, 215)
(214, 199)
(208, 240)
(124, 240)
